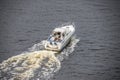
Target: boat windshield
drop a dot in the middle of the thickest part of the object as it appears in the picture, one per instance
(56, 34)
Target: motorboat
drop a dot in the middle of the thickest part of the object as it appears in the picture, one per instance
(60, 37)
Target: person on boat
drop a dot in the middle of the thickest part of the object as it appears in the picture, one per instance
(58, 37)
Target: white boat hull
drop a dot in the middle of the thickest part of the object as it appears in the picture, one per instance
(64, 42)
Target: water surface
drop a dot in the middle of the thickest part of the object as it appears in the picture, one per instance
(24, 23)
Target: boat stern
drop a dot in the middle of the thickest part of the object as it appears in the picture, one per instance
(52, 47)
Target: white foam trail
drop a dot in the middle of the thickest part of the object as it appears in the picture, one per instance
(33, 65)
(36, 64)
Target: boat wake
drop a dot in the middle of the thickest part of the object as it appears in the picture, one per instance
(35, 64)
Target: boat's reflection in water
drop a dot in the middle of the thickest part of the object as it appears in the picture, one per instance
(36, 64)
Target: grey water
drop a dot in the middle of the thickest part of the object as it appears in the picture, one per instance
(24, 23)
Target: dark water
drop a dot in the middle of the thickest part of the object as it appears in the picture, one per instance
(96, 57)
